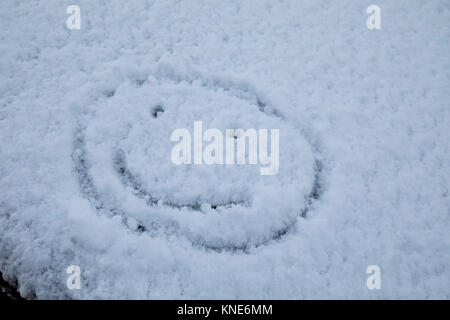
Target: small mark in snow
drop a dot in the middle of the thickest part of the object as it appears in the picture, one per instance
(109, 93)
(156, 111)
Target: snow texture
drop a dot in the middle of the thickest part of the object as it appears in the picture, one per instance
(86, 177)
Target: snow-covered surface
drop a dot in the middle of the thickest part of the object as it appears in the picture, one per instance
(364, 149)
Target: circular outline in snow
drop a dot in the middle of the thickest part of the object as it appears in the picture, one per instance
(101, 205)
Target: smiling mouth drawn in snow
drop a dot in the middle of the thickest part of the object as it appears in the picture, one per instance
(122, 159)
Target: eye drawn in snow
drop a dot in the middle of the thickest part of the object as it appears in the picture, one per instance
(122, 160)
(157, 110)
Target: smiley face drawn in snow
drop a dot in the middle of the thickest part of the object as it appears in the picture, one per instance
(122, 159)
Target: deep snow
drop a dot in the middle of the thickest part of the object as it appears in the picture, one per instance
(85, 171)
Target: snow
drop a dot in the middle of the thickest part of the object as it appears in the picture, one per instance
(364, 149)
